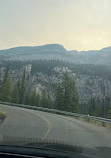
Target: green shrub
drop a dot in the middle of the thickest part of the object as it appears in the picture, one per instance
(2, 115)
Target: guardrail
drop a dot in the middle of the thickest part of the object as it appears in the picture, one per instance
(103, 120)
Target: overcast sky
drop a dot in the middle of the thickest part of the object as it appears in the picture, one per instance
(76, 24)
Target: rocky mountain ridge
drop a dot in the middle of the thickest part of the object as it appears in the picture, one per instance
(58, 52)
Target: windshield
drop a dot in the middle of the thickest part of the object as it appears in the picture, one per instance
(55, 75)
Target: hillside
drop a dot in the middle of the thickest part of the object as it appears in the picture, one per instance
(91, 81)
(58, 52)
(45, 65)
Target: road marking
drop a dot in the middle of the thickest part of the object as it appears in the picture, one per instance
(46, 120)
(49, 126)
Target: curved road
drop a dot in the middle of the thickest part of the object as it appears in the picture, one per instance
(27, 123)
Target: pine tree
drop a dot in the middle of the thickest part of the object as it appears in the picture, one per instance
(44, 99)
(6, 75)
(22, 91)
(6, 95)
(67, 92)
(59, 97)
(0, 88)
(28, 99)
(107, 106)
(33, 98)
(15, 94)
(49, 101)
(75, 98)
(66, 95)
(109, 113)
(37, 102)
(92, 108)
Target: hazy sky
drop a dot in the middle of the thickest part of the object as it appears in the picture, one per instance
(76, 24)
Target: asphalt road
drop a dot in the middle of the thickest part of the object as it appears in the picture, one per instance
(27, 123)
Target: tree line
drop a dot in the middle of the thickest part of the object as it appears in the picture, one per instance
(19, 93)
(45, 66)
(66, 96)
(97, 107)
